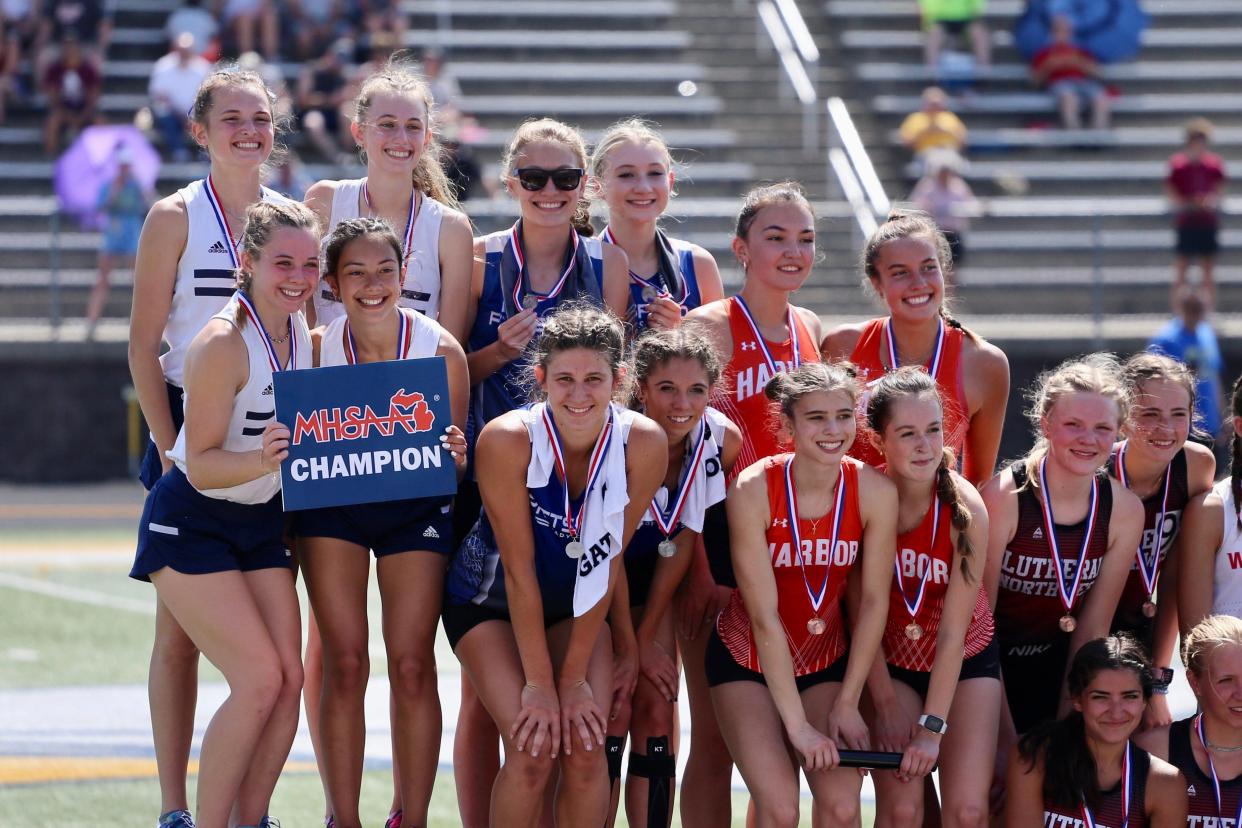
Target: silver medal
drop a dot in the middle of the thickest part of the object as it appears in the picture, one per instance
(649, 293)
(666, 548)
(575, 549)
(530, 302)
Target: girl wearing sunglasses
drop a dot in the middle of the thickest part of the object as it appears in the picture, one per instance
(762, 334)
(406, 187)
(668, 277)
(522, 275)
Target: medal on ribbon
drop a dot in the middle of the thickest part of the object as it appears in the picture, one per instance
(1148, 571)
(763, 344)
(1068, 594)
(914, 631)
(1216, 791)
(933, 367)
(268, 347)
(404, 336)
(407, 249)
(1126, 786)
(222, 221)
(533, 300)
(816, 625)
(573, 522)
(667, 520)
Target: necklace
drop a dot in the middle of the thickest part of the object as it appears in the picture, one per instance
(1223, 748)
(278, 340)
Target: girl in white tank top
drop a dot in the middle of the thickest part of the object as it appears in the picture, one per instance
(211, 533)
(406, 187)
(1210, 543)
(410, 538)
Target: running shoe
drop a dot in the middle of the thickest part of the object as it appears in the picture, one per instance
(394, 820)
(176, 819)
(269, 822)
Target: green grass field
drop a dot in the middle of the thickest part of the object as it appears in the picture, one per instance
(69, 620)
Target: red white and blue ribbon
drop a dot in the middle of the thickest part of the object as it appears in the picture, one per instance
(838, 509)
(222, 221)
(1126, 786)
(917, 604)
(407, 248)
(646, 284)
(573, 523)
(763, 345)
(1207, 753)
(515, 240)
(405, 334)
(667, 520)
(272, 359)
(1150, 573)
(933, 367)
(1068, 596)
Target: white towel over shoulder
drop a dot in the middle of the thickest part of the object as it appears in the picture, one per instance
(604, 520)
(708, 487)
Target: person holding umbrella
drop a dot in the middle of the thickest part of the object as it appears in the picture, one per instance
(123, 201)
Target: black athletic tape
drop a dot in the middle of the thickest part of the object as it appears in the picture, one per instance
(613, 745)
(661, 773)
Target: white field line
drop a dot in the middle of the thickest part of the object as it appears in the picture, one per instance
(76, 594)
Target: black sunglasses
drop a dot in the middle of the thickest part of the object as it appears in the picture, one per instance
(536, 178)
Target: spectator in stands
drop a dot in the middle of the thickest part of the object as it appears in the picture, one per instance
(192, 18)
(314, 24)
(933, 127)
(443, 84)
(1195, 186)
(274, 78)
(948, 199)
(323, 89)
(1189, 337)
(19, 30)
(382, 18)
(289, 177)
(1070, 74)
(72, 85)
(247, 20)
(174, 84)
(123, 203)
(952, 18)
(89, 22)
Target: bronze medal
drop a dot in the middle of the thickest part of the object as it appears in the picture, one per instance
(1067, 623)
(816, 626)
(913, 631)
(1149, 608)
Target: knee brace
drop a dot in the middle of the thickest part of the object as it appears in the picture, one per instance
(659, 768)
(613, 745)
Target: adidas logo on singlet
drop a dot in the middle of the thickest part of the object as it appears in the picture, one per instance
(430, 532)
(1038, 534)
(218, 247)
(267, 392)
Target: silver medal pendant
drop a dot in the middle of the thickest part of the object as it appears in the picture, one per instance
(575, 549)
(649, 293)
(666, 548)
(530, 302)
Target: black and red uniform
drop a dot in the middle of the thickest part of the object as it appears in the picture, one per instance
(1111, 813)
(910, 660)
(816, 658)
(1033, 649)
(1200, 793)
(1129, 617)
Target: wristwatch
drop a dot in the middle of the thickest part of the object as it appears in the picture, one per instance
(1161, 678)
(934, 723)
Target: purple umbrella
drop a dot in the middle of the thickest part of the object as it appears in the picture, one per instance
(91, 163)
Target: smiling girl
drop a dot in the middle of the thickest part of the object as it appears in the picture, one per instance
(904, 263)
(529, 588)
(211, 534)
(185, 272)
(1083, 770)
(668, 277)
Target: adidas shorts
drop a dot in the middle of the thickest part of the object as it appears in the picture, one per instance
(185, 530)
(419, 525)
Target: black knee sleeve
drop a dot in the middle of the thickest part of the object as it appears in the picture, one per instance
(659, 768)
(613, 745)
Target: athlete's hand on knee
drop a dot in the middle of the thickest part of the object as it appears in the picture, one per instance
(581, 716)
(894, 728)
(514, 333)
(275, 447)
(818, 752)
(698, 602)
(920, 755)
(454, 442)
(846, 727)
(624, 678)
(538, 723)
(663, 312)
(659, 668)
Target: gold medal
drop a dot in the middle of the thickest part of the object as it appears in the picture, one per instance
(816, 626)
(913, 631)
(1067, 623)
(1149, 608)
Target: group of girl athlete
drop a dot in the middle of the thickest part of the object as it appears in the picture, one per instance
(657, 482)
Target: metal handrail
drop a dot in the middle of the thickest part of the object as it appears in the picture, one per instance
(788, 33)
(839, 117)
(840, 165)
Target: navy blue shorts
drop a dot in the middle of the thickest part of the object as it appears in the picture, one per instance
(194, 534)
(460, 619)
(722, 668)
(418, 525)
(151, 469)
(984, 664)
